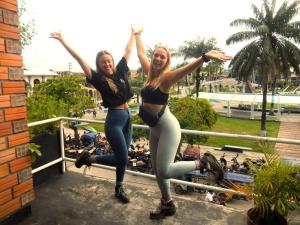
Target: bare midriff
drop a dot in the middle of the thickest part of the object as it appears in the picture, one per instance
(122, 106)
(153, 107)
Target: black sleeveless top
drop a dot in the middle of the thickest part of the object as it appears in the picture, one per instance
(154, 96)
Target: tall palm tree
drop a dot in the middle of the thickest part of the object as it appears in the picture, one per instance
(272, 49)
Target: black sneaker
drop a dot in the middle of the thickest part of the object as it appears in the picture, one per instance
(83, 159)
(121, 194)
(210, 163)
(163, 210)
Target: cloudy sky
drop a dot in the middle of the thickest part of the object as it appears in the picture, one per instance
(93, 25)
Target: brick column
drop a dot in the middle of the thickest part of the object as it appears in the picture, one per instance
(16, 186)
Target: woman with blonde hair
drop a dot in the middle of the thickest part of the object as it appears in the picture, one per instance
(112, 82)
(165, 131)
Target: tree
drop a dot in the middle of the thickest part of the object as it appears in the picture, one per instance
(141, 73)
(198, 79)
(27, 28)
(193, 114)
(137, 85)
(180, 81)
(271, 51)
(195, 48)
(62, 96)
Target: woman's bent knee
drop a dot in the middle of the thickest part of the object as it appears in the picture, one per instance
(163, 173)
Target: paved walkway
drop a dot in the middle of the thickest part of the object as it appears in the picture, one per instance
(289, 128)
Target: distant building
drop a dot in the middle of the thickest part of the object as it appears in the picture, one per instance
(33, 77)
(36, 77)
(295, 79)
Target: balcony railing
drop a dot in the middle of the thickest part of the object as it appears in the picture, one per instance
(63, 158)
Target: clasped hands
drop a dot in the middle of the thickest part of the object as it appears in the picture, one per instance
(136, 30)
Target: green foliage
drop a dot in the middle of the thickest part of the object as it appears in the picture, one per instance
(240, 126)
(139, 133)
(281, 84)
(34, 151)
(195, 48)
(27, 28)
(44, 107)
(193, 114)
(272, 51)
(136, 84)
(291, 106)
(62, 96)
(276, 187)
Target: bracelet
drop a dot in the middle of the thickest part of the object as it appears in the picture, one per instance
(204, 57)
(137, 33)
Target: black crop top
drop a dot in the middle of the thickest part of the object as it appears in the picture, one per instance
(111, 99)
(154, 96)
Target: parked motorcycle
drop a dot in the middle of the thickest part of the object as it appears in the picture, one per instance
(223, 162)
(235, 165)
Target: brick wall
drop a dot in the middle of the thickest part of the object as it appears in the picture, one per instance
(16, 186)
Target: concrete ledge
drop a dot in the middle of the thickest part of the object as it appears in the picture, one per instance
(77, 199)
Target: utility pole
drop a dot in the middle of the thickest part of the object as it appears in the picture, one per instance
(70, 67)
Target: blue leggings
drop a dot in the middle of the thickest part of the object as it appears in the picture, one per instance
(118, 132)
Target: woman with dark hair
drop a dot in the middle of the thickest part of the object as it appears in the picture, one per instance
(112, 82)
(165, 131)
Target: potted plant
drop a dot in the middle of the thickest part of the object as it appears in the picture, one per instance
(276, 190)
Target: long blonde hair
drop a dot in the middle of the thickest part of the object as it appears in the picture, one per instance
(110, 82)
(154, 80)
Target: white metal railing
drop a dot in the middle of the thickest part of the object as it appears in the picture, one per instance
(197, 185)
(193, 132)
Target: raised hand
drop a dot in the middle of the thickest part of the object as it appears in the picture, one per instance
(136, 29)
(215, 54)
(56, 35)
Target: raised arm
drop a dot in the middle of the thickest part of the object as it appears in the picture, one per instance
(85, 67)
(174, 76)
(140, 49)
(128, 48)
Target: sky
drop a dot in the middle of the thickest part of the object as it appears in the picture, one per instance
(93, 25)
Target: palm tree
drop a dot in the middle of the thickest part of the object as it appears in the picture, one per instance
(272, 50)
(137, 85)
(194, 48)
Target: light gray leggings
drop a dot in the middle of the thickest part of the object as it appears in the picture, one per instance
(164, 141)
